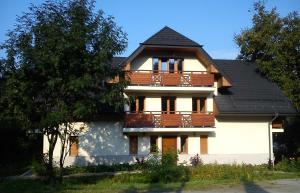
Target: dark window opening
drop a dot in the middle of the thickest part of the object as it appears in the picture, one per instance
(184, 144)
(153, 144)
(133, 145)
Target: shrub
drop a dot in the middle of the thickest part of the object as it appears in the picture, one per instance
(38, 168)
(288, 165)
(164, 168)
(196, 160)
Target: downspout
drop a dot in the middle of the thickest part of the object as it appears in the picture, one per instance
(271, 161)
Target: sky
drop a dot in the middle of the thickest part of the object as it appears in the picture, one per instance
(211, 23)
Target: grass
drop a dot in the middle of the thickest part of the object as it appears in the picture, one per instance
(201, 177)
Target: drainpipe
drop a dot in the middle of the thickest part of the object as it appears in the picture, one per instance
(271, 161)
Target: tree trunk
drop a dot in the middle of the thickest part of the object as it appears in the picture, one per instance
(49, 165)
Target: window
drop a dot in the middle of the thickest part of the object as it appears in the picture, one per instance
(138, 104)
(168, 104)
(164, 64)
(155, 64)
(171, 65)
(184, 144)
(199, 104)
(180, 65)
(153, 144)
(133, 145)
(203, 144)
(73, 145)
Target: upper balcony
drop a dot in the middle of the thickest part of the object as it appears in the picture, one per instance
(166, 78)
(148, 80)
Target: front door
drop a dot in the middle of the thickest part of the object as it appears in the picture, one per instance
(169, 143)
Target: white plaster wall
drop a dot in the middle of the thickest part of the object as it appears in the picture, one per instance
(142, 63)
(152, 103)
(193, 64)
(210, 103)
(194, 144)
(143, 145)
(184, 103)
(145, 63)
(239, 135)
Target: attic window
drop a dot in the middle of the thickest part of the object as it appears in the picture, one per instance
(170, 65)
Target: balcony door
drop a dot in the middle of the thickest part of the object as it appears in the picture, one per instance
(199, 105)
(138, 104)
(168, 104)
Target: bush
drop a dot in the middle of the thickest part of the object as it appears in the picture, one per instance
(164, 168)
(38, 168)
(288, 165)
(100, 168)
(196, 160)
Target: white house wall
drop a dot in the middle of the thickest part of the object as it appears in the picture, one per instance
(189, 64)
(235, 140)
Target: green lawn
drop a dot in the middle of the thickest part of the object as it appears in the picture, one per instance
(200, 178)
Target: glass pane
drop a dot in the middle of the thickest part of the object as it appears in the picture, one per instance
(202, 105)
(179, 64)
(164, 104)
(141, 103)
(171, 65)
(155, 64)
(153, 144)
(172, 105)
(164, 64)
(132, 105)
(194, 104)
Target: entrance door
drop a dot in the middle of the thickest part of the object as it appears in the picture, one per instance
(169, 143)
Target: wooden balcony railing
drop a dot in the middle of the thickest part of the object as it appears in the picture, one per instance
(168, 119)
(166, 78)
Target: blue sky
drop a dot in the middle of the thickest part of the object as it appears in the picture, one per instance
(211, 23)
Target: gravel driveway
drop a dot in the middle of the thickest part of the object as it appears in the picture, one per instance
(276, 186)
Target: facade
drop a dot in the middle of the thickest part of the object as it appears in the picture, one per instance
(184, 100)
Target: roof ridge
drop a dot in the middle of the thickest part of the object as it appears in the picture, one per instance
(170, 37)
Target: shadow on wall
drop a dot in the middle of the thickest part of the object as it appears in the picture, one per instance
(103, 143)
(253, 188)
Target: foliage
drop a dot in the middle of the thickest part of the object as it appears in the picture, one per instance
(288, 165)
(56, 68)
(101, 168)
(196, 160)
(273, 42)
(165, 169)
(205, 176)
(37, 168)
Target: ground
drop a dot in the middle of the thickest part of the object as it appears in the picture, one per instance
(277, 186)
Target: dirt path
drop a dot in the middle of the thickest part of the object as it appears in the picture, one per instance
(277, 186)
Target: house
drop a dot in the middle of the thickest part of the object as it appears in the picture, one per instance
(223, 110)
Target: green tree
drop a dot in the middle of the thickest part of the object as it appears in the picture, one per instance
(56, 68)
(273, 42)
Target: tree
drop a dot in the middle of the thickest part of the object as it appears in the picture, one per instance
(273, 43)
(58, 61)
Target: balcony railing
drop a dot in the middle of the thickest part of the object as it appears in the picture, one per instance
(167, 78)
(168, 119)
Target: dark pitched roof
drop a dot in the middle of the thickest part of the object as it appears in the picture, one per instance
(117, 60)
(250, 93)
(169, 37)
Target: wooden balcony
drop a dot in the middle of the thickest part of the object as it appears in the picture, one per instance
(165, 78)
(171, 119)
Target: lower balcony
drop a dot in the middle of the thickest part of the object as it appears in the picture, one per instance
(159, 119)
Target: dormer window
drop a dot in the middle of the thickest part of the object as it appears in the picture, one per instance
(171, 65)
